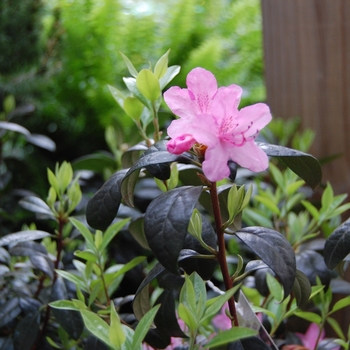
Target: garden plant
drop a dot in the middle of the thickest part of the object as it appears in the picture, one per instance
(208, 236)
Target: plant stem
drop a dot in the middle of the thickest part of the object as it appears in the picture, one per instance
(222, 250)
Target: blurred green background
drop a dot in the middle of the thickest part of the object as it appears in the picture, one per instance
(57, 57)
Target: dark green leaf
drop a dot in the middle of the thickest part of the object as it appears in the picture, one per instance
(35, 205)
(43, 263)
(70, 320)
(133, 154)
(301, 288)
(6, 343)
(151, 159)
(274, 250)
(303, 164)
(166, 320)
(337, 245)
(29, 305)
(312, 264)
(14, 127)
(23, 236)
(102, 208)
(27, 249)
(9, 311)
(41, 141)
(166, 223)
(95, 162)
(26, 332)
(250, 344)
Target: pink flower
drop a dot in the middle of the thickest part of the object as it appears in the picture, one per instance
(309, 339)
(221, 320)
(209, 115)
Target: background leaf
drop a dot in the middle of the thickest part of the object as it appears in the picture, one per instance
(337, 245)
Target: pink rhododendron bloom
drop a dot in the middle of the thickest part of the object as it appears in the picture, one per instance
(209, 115)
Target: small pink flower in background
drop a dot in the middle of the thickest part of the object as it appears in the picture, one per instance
(209, 115)
(309, 339)
(221, 321)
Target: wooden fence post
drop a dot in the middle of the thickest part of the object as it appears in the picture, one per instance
(307, 64)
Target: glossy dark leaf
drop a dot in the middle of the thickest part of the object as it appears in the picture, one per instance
(6, 343)
(301, 288)
(133, 154)
(43, 263)
(274, 250)
(41, 141)
(254, 265)
(95, 162)
(26, 332)
(93, 343)
(337, 245)
(70, 320)
(9, 311)
(154, 156)
(166, 320)
(29, 305)
(102, 208)
(157, 339)
(27, 249)
(304, 165)
(36, 205)
(23, 236)
(159, 170)
(249, 344)
(14, 127)
(312, 264)
(141, 301)
(166, 223)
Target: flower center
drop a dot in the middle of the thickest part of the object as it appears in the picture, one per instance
(237, 133)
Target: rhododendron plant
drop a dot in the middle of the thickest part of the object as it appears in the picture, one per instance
(209, 115)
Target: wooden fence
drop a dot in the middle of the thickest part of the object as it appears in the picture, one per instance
(307, 62)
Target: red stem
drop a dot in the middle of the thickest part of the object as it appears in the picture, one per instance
(222, 251)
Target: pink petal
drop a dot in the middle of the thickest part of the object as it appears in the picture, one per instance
(226, 101)
(254, 117)
(180, 144)
(249, 156)
(203, 86)
(215, 164)
(180, 102)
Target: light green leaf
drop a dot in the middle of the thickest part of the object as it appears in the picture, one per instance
(96, 326)
(187, 316)
(64, 304)
(143, 326)
(111, 232)
(116, 334)
(162, 65)
(336, 327)
(230, 335)
(52, 180)
(85, 232)
(133, 107)
(86, 255)
(275, 287)
(77, 280)
(309, 316)
(148, 84)
(9, 103)
(170, 74)
(131, 68)
(311, 209)
(117, 95)
(344, 302)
